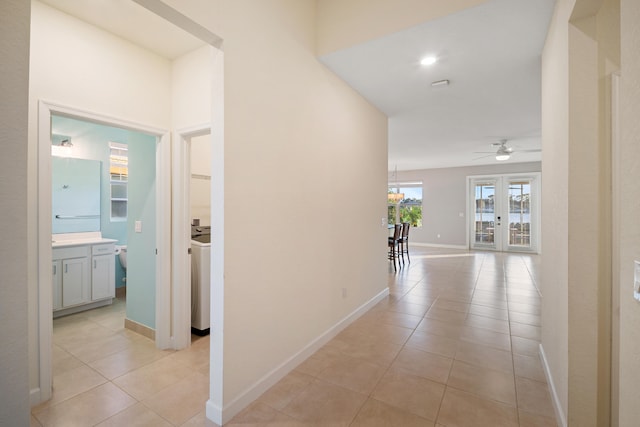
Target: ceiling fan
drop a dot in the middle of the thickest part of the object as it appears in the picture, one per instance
(503, 151)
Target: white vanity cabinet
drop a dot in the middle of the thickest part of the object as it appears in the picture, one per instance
(72, 278)
(103, 273)
(83, 276)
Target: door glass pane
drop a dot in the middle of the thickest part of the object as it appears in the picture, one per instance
(520, 213)
(485, 213)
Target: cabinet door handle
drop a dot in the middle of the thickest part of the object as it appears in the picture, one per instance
(94, 264)
(54, 269)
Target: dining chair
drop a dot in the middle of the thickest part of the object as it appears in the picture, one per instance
(394, 245)
(403, 242)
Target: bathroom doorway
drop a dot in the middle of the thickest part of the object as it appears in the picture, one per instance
(122, 208)
(146, 144)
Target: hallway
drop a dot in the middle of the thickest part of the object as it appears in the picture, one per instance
(454, 344)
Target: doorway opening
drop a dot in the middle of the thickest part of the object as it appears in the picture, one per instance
(192, 215)
(154, 203)
(103, 194)
(504, 212)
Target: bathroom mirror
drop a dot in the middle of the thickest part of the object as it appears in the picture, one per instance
(75, 203)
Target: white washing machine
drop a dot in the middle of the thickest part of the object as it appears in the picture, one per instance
(200, 284)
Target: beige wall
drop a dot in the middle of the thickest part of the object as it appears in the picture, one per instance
(304, 155)
(191, 88)
(79, 65)
(579, 56)
(305, 185)
(345, 23)
(14, 69)
(630, 206)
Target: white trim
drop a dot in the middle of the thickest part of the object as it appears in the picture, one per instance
(45, 256)
(103, 119)
(45, 308)
(35, 397)
(435, 245)
(560, 416)
(254, 391)
(180, 230)
(216, 346)
(472, 181)
(163, 243)
(179, 20)
(470, 211)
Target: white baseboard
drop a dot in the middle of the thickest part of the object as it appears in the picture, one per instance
(34, 396)
(560, 415)
(215, 414)
(434, 245)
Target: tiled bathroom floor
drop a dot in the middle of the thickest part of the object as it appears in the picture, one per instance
(108, 376)
(454, 344)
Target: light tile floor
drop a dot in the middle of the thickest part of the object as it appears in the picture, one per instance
(105, 375)
(454, 344)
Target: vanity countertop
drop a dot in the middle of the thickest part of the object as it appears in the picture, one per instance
(78, 239)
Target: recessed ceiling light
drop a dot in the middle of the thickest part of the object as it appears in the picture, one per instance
(429, 60)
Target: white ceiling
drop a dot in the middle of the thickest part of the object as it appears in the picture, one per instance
(491, 56)
(489, 53)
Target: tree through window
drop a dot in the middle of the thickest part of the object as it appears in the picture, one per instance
(405, 208)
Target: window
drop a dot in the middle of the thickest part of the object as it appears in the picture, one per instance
(118, 176)
(408, 207)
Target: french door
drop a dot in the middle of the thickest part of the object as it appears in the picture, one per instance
(504, 212)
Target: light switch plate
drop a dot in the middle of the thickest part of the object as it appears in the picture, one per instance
(138, 226)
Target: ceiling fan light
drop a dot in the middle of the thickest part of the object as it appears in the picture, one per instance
(503, 153)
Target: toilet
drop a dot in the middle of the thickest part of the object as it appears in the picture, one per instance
(123, 256)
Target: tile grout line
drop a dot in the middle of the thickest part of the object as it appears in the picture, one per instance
(370, 395)
(513, 363)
